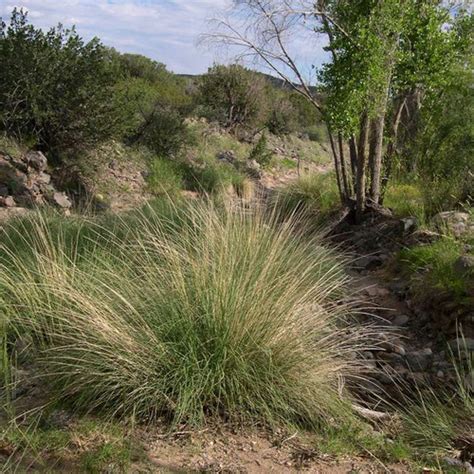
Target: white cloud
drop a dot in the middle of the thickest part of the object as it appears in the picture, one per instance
(166, 30)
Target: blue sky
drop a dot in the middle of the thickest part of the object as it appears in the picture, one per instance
(165, 30)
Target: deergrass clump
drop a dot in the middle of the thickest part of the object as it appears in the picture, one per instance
(207, 312)
(311, 193)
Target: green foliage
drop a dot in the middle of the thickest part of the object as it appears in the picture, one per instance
(233, 96)
(260, 152)
(55, 88)
(431, 268)
(203, 313)
(312, 193)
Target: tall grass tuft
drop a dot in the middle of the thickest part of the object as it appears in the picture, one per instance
(207, 312)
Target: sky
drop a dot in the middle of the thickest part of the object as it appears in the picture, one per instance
(164, 30)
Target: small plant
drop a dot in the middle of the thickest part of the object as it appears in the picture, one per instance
(164, 177)
(260, 153)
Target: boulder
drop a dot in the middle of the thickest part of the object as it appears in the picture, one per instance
(7, 201)
(464, 265)
(458, 223)
(409, 224)
(61, 200)
(36, 160)
(420, 360)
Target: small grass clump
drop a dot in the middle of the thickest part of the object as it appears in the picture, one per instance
(206, 313)
(405, 200)
(165, 177)
(432, 266)
(311, 193)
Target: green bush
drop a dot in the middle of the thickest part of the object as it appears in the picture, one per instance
(260, 152)
(204, 313)
(55, 88)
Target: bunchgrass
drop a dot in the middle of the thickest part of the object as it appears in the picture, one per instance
(432, 266)
(193, 313)
(309, 194)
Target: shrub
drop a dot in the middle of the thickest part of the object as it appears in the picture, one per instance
(260, 153)
(55, 88)
(206, 313)
(234, 96)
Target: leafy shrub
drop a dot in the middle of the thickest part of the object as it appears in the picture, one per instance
(260, 153)
(55, 88)
(205, 313)
(233, 95)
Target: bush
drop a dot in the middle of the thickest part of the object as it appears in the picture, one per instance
(55, 88)
(260, 153)
(204, 313)
(234, 96)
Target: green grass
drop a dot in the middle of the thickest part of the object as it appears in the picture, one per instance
(312, 193)
(204, 313)
(432, 266)
(165, 177)
(405, 200)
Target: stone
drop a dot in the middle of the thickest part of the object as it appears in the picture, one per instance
(44, 178)
(455, 222)
(420, 360)
(8, 201)
(369, 262)
(461, 344)
(4, 190)
(409, 224)
(61, 200)
(401, 320)
(36, 160)
(376, 291)
(464, 265)
(423, 236)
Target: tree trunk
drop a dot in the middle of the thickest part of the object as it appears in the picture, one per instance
(361, 159)
(337, 166)
(375, 156)
(345, 181)
(353, 156)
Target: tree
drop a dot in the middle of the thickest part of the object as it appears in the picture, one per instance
(384, 54)
(234, 96)
(55, 89)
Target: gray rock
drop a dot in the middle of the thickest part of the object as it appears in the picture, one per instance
(461, 344)
(420, 360)
(36, 160)
(61, 200)
(409, 224)
(8, 201)
(464, 265)
(401, 320)
(453, 221)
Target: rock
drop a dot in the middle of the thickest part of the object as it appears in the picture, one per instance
(461, 344)
(227, 156)
(44, 178)
(61, 200)
(454, 221)
(409, 224)
(376, 291)
(423, 236)
(369, 262)
(254, 169)
(36, 160)
(4, 190)
(401, 320)
(420, 360)
(8, 201)
(464, 265)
